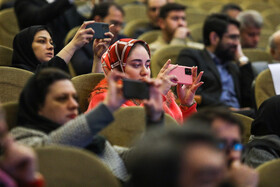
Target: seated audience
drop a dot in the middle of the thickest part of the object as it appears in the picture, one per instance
(229, 131)
(178, 157)
(173, 24)
(264, 144)
(132, 57)
(18, 163)
(109, 13)
(153, 7)
(231, 9)
(274, 44)
(251, 23)
(227, 73)
(33, 48)
(48, 114)
(274, 49)
(59, 15)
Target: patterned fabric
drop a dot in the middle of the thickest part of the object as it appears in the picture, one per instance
(116, 55)
(78, 132)
(169, 105)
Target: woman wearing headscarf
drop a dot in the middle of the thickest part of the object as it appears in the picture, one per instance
(264, 143)
(132, 57)
(33, 47)
(48, 114)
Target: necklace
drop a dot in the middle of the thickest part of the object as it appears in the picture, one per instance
(136, 101)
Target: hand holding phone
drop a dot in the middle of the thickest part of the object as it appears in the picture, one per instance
(134, 89)
(99, 29)
(183, 74)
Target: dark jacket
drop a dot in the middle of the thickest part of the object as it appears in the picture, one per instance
(211, 90)
(82, 59)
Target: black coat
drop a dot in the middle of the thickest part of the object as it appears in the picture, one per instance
(60, 16)
(211, 90)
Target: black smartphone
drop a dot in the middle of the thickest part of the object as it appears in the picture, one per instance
(134, 89)
(100, 29)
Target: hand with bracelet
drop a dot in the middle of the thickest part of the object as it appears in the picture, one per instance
(186, 93)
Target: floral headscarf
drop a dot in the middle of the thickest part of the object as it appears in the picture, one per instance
(116, 55)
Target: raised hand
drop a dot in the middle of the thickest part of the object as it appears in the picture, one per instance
(167, 80)
(242, 175)
(181, 33)
(154, 105)
(186, 93)
(114, 98)
(101, 45)
(83, 35)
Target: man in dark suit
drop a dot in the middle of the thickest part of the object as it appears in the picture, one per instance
(225, 82)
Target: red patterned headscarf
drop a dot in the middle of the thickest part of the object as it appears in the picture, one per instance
(116, 55)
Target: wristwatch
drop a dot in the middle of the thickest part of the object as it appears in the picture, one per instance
(243, 60)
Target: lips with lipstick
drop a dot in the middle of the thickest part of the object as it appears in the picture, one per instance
(72, 116)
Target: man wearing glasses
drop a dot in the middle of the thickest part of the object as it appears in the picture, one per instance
(227, 72)
(229, 131)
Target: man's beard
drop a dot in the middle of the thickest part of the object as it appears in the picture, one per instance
(224, 54)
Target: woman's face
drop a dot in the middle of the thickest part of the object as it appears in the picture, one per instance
(138, 63)
(42, 46)
(60, 103)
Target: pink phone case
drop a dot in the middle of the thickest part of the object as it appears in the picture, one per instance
(183, 74)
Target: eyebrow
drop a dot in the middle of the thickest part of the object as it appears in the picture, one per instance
(43, 37)
(139, 60)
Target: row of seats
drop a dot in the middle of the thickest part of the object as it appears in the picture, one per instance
(12, 79)
(92, 172)
(137, 13)
(85, 83)
(73, 167)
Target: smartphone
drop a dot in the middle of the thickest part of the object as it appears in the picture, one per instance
(134, 89)
(100, 29)
(183, 74)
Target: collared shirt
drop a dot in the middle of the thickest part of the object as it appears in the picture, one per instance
(228, 95)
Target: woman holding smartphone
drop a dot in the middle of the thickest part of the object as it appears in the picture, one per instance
(132, 57)
(33, 47)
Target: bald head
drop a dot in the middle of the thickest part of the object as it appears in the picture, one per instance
(274, 44)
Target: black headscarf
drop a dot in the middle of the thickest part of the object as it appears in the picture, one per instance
(267, 120)
(23, 55)
(33, 96)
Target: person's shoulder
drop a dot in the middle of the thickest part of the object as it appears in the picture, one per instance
(157, 42)
(195, 45)
(18, 132)
(192, 51)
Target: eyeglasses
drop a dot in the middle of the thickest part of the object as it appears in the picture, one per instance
(116, 23)
(153, 9)
(235, 145)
